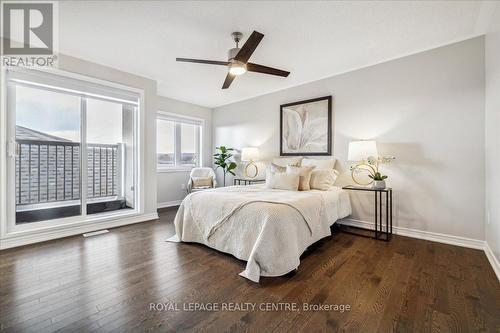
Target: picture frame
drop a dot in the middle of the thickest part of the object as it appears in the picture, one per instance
(306, 127)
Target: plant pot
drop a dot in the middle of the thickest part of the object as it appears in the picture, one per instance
(378, 184)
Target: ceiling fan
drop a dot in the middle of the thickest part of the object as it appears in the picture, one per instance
(237, 61)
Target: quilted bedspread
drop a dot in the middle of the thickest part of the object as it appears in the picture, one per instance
(269, 229)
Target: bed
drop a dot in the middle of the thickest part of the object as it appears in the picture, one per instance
(267, 228)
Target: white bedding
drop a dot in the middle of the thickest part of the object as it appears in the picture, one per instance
(269, 229)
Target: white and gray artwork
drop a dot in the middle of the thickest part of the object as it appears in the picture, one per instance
(306, 127)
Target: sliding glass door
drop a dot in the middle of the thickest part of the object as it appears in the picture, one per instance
(73, 149)
(47, 164)
(110, 155)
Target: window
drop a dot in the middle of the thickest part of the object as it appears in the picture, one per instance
(74, 149)
(178, 142)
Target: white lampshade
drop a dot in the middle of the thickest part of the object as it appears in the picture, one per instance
(249, 154)
(361, 150)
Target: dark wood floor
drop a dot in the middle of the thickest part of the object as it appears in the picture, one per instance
(107, 282)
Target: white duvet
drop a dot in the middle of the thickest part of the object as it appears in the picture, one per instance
(270, 229)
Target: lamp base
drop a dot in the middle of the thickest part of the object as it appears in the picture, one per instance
(246, 172)
(359, 167)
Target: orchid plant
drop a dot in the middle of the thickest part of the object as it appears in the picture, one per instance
(371, 164)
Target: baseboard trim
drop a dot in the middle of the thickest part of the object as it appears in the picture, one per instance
(47, 235)
(169, 203)
(426, 235)
(492, 259)
(435, 237)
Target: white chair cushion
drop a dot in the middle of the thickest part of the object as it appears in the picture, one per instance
(202, 172)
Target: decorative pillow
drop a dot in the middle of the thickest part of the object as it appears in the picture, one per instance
(276, 168)
(323, 179)
(283, 181)
(202, 181)
(319, 163)
(304, 173)
(284, 161)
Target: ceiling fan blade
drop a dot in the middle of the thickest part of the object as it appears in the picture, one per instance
(249, 47)
(200, 61)
(229, 79)
(266, 70)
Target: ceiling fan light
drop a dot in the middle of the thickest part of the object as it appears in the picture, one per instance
(237, 68)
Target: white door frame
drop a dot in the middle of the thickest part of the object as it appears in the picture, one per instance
(64, 226)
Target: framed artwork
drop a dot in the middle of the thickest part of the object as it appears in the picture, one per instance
(306, 127)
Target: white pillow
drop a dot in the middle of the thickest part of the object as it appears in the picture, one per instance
(304, 174)
(319, 164)
(323, 179)
(283, 181)
(284, 161)
(276, 168)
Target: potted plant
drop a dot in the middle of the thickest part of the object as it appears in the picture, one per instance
(375, 175)
(223, 161)
(371, 165)
(378, 180)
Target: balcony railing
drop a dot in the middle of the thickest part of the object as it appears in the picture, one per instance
(49, 171)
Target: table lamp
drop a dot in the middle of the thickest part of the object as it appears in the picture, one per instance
(250, 154)
(360, 152)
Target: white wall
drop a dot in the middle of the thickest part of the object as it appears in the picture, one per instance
(426, 109)
(492, 53)
(170, 183)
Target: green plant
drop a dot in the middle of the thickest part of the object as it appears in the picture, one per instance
(223, 161)
(370, 165)
(377, 176)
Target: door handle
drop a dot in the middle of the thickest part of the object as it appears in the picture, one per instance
(11, 148)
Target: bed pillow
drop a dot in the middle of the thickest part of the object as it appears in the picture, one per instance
(202, 181)
(323, 179)
(282, 181)
(284, 161)
(304, 173)
(276, 168)
(319, 163)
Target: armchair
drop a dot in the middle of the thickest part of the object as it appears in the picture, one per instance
(201, 173)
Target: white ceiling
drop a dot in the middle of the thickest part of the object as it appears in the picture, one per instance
(310, 39)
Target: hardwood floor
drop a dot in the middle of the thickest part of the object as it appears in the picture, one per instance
(107, 283)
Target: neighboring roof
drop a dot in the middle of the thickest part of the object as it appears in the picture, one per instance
(24, 133)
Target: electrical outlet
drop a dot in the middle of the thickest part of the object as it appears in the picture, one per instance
(183, 186)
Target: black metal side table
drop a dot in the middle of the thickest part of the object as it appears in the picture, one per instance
(379, 230)
(247, 181)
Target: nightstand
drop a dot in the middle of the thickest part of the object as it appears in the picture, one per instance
(379, 231)
(248, 181)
